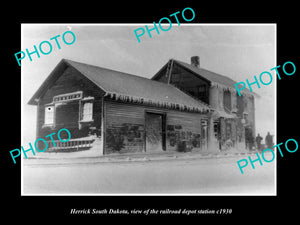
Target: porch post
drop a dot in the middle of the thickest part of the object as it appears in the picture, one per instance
(212, 142)
(103, 127)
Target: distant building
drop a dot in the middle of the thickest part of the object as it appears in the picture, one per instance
(182, 108)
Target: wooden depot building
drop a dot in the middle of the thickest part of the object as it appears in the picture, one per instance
(182, 108)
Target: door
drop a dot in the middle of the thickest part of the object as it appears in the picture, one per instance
(204, 134)
(154, 132)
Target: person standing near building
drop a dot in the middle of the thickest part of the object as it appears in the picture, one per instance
(258, 140)
(249, 139)
(269, 141)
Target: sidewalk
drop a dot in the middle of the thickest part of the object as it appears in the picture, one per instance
(73, 158)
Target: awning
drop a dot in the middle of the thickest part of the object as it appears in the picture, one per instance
(221, 113)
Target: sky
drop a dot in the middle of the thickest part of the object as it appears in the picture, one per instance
(234, 50)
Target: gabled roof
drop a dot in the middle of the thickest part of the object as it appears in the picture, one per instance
(126, 87)
(215, 79)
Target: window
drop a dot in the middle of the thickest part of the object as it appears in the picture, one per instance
(87, 111)
(49, 115)
(227, 101)
(217, 130)
(245, 104)
(202, 92)
(245, 116)
(228, 130)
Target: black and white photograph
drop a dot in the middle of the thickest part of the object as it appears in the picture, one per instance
(122, 111)
(106, 113)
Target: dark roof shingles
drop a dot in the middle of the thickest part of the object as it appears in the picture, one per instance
(124, 84)
(214, 77)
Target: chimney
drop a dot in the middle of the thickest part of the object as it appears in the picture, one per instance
(195, 61)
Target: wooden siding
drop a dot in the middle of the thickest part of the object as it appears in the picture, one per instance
(125, 128)
(227, 101)
(71, 81)
(183, 127)
(67, 114)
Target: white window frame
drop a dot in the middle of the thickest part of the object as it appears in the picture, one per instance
(87, 113)
(49, 120)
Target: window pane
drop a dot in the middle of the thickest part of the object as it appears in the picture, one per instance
(49, 114)
(87, 111)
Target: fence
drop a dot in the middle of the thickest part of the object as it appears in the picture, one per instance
(70, 145)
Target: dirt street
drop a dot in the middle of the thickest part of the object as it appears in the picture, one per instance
(217, 176)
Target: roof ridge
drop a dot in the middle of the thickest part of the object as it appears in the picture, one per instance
(123, 73)
(97, 70)
(105, 68)
(214, 80)
(206, 70)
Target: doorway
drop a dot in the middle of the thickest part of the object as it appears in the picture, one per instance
(155, 132)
